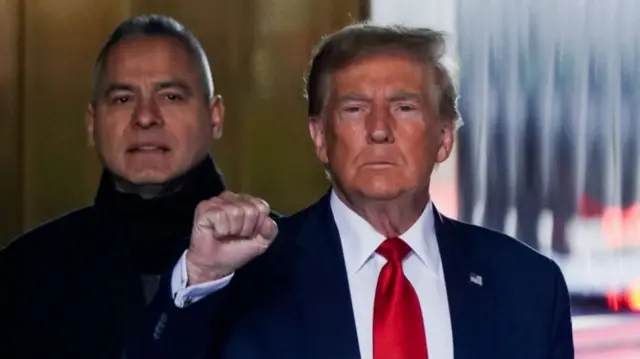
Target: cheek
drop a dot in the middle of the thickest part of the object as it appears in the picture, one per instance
(109, 136)
(346, 140)
(421, 147)
(191, 136)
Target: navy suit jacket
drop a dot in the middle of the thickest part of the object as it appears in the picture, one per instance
(294, 300)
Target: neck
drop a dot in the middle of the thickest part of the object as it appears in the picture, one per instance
(180, 195)
(389, 217)
(150, 191)
(146, 191)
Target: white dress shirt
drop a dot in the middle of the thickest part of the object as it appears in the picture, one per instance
(183, 295)
(422, 267)
(359, 239)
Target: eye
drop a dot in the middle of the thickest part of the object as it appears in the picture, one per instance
(173, 97)
(406, 108)
(352, 109)
(120, 100)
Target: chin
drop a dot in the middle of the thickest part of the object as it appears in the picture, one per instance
(380, 190)
(148, 177)
(381, 195)
(377, 186)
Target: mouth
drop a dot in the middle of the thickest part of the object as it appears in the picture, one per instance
(148, 148)
(379, 165)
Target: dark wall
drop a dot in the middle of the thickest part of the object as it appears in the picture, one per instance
(259, 50)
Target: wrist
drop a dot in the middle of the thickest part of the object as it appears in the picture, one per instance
(198, 274)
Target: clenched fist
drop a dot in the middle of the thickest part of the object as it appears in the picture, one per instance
(228, 231)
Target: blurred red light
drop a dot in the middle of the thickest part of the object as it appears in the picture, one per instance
(613, 301)
(629, 299)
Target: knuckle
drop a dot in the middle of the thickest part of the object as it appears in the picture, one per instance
(251, 211)
(216, 212)
(245, 198)
(234, 211)
(202, 207)
(262, 206)
(217, 201)
(228, 195)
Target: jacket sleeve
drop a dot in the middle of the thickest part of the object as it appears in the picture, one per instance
(562, 333)
(167, 331)
(13, 282)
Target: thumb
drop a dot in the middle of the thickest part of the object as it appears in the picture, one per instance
(268, 229)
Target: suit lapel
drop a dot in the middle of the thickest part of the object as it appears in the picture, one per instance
(325, 308)
(469, 293)
(324, 303)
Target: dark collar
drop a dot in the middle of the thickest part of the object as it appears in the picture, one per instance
(153, 233)
(202, 182)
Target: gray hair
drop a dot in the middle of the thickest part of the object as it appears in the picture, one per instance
(154, 26)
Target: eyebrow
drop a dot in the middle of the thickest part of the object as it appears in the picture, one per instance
(174, 84)
(404, 96)
(352, 96)
(398, 96)
(114, 87)
(161, 85)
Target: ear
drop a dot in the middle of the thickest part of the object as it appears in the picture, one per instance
(447, 135)
(217, 117)
(89, 123)
(317, 132)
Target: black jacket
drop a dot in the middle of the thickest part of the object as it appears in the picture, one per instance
(72, 287)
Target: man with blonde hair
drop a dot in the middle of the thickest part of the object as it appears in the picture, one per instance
(371, 270)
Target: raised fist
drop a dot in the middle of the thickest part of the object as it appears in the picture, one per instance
(228, 231)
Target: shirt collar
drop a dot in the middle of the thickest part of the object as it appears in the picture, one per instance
(360, 240)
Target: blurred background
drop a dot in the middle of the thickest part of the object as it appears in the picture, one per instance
(549, 153)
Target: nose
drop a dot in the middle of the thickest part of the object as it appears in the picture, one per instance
(380, 126)
(146, 115)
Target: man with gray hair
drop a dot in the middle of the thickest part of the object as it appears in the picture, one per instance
(371, 270)
(72, 287)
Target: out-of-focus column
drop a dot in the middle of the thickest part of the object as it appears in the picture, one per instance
(59, 42)
(10, 174)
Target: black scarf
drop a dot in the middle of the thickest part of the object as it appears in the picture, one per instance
(154, 232)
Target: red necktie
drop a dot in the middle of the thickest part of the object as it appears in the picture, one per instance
(398, 330)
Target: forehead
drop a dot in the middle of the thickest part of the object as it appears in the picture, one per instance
(382, 72)
(149, 57)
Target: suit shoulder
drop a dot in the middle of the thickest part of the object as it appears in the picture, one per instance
(49, 236)
(504, 250)
(290, 225)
